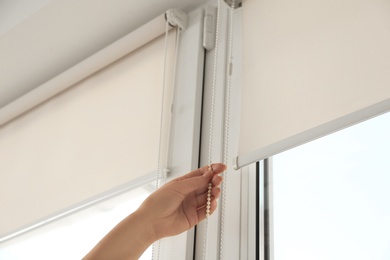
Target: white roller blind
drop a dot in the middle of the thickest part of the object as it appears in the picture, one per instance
(310, 68)
(99, 134)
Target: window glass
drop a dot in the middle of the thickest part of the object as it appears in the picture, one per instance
(331, 196)
(73, 236)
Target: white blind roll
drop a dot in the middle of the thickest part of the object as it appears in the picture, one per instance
(310, 68)
(95, 136)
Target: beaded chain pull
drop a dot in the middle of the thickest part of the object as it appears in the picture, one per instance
(208, 203)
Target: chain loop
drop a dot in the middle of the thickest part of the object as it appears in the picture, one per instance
(162, 172)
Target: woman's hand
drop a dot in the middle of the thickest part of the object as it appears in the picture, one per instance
(172, 209)
(181, 203)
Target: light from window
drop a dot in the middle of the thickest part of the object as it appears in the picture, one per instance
(72, 237)
(331, 196)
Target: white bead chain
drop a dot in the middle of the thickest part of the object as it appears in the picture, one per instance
(208, 205)
(211, 131)
(164, 79)
(161, 174)
(156, 245)
(212, 105)
(227, 125)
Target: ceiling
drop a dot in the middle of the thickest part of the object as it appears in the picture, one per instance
(14, 12)
(40, 39)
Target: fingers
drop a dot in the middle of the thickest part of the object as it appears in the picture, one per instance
(217, 168)
(202, 198)
(194, 173)
(203, 187)
(202, 211)
(216, 180)
(197, 181)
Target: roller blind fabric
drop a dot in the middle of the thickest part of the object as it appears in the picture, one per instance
(97, 135)
(310, 68)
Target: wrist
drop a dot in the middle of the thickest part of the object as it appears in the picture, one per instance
(127, 240)
(145, 226)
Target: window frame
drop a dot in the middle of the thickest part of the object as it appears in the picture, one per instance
(234, 236)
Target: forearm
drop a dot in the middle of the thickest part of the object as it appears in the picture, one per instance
(128, 240)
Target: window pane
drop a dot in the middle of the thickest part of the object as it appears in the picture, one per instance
(331, 196)
(73, 236)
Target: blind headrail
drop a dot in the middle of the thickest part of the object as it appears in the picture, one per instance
(83, 69)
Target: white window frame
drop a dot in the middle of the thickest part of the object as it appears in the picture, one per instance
(186, 122)
(236, 217)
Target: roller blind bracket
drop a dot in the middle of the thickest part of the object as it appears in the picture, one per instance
(166, 172)
(235, 3)
(176, 18)
(235, 163)
(209, 27)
